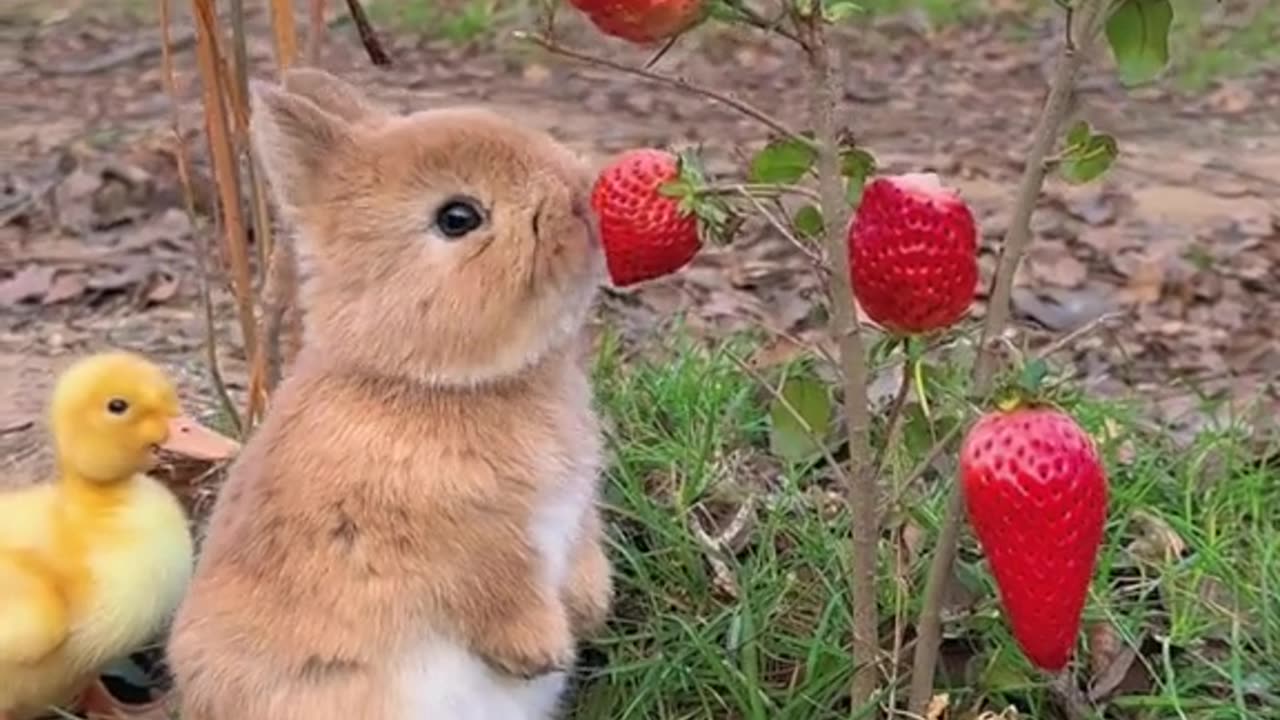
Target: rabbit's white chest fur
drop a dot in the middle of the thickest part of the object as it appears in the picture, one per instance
(443, 680)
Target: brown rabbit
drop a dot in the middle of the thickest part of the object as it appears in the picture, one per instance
(412, 532)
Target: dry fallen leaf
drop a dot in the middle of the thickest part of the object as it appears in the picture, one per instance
(66, 286)
(1110, 660)
(164, 287)
(1156, 543)
(937, 705)
(30, 283)
(1146, 281)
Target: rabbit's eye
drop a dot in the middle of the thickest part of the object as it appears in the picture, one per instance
(458, 217)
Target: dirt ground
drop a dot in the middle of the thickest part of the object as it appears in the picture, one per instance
(1181, 240)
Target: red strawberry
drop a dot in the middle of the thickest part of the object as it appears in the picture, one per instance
(1036, 494)
(913, 254)
(642, 21)
(645, 234)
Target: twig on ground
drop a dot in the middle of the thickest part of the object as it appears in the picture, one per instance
(1072, 700)
(861, 490)
(798, 342)
(203, 248)
(118, 56)
(368, 38)
(1087, 18)
(669, 80)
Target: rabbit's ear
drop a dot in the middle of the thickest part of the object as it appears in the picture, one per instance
(332, 94)
(294, 140)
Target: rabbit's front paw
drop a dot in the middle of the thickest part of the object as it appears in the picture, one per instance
(533, 644)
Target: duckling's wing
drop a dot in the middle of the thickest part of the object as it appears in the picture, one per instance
(33, 616)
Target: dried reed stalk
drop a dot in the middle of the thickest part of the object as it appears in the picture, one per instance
(285, 33)
(188, 195)
(215, 89)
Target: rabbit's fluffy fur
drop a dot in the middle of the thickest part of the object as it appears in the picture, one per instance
(412, 531)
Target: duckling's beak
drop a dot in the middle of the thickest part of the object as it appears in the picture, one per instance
(191, 439)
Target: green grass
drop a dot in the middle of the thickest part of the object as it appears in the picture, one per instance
(1207, 48)
(457, 21)
(689, 435)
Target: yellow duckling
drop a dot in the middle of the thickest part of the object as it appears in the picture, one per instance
(92, 564)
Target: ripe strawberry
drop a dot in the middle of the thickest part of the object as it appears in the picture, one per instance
(645, 234)
(1036, 494)
(913, 254)
(643, 21)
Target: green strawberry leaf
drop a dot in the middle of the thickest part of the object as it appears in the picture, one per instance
(856, 162)
(1088, 154)
(789, 438)
(782, 162)
(1138, 32)
(1079, 133)
(1032, 376)
(834, 11)
(856, 165)
(808, 221)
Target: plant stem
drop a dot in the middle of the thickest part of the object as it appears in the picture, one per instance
(284, 32)
(189, 204)
(316, 30)
(861, 488)
(219, 127)
(368, 38)
(895, 414)
(1086, 17)
(676, 82)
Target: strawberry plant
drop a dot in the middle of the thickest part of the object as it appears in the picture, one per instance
(902, 248)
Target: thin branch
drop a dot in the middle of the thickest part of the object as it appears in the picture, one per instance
(188, 195)
(218, 127)
(284, 32)
(786, 232)
(895, 415)
(671, 81)
(316, 30)
(934, 453)
(1087, 17)
(1078, 333)
(368, 38)
(750, 17)
(821, 442)
(258, 386)
(758, 189)
(861, 490)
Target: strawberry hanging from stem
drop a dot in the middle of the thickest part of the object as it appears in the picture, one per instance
(1036, 494)
(652, 213)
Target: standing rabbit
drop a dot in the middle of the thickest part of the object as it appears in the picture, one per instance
(412, 532)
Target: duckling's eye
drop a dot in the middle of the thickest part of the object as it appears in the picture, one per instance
(116, 406)
(457, 217)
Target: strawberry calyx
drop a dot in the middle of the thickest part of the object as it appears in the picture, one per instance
(1027, 385)
(689, 188)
